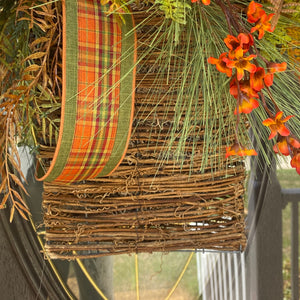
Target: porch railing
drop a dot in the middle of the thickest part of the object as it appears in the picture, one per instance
(293, 196)
(263, 257)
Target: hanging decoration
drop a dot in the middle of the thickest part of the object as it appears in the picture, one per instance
(139, 114)
(155, 200)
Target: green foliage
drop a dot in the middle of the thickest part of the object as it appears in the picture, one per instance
(174, 9)
(279, 40)
(6, 10)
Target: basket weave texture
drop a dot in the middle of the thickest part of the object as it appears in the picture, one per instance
(152, 202)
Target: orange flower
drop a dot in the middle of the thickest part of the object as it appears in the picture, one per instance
(295, 162)
(285, 145)
(205, 2)
(245, 96)
(246, 105)
(257, 79)
(254, 12)
(240, 150)
(273, 68)
(241, 63)
(221, 64)
(263, 25)
(293, 142)
(277, 125)
(282, 147)
(245, 88)
(245, 41)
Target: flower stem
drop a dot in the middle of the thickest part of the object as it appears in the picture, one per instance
(237, 105)
(263, 99)
(272, 99)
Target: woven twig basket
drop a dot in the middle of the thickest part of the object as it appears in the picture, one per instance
(150, 202)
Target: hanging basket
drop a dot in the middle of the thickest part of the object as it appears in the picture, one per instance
(153, 201)
(98, 93)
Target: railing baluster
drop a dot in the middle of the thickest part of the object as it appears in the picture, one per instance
(236, 275)
(293, 196)
(295, 250)
(204, 282)
(230, 275)
(220, 279)
(214, 269)
(225, 269)
(243, 274)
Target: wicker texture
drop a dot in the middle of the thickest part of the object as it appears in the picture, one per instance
(151, 202)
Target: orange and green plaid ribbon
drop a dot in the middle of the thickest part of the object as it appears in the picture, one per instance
(98, 92)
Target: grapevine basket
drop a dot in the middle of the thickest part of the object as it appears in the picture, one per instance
(157, 198)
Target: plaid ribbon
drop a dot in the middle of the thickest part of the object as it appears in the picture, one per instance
(97, 106)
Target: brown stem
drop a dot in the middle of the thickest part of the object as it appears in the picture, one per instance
(272, 99)
(226, 14)
(265, 105)
(259, 55)
(235, 19)
(238, 106)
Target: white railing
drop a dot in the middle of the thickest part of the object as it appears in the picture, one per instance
(221, 275)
